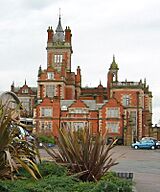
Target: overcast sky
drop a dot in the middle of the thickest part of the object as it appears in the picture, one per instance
(130, 29)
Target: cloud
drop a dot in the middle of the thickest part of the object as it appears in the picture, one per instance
(37, 4)
(128, 29)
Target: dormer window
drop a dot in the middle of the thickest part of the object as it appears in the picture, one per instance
(25, 91)
(58, 58)
(50, 75)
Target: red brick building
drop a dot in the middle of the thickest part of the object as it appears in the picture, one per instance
(27, 96)
(120, 109)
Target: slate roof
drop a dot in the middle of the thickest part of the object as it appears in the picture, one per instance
(92, 105)
(59, 35)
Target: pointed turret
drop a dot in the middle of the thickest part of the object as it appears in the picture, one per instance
(114, 65)
(112, 76)
(114, 70)
(59, 35)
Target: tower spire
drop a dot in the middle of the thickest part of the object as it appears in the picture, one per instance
(59, 13)
(59, 35)
(59, 27)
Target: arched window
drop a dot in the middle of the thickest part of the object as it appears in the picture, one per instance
(58, 58)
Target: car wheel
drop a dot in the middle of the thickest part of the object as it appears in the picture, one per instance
(136, 147)
(153, 147)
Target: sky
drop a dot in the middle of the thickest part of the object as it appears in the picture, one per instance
(129, 29)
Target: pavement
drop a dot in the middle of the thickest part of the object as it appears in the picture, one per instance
(144, 164)
(147, 182)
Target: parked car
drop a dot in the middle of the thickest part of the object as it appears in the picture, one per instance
(46, 144)
(158, 144)
(144, 144)
(154, 139)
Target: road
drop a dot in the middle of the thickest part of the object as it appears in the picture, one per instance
(144, 164)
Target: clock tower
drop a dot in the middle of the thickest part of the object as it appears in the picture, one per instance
(57, 79)
(59, 47)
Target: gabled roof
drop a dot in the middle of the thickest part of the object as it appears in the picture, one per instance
(78, 104)
(66, 103)
(31, 90)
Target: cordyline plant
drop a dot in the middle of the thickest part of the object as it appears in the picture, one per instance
(86, 155)
(15, 152)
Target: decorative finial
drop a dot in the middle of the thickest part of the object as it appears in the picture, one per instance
(12, 87)
(59, 13)
(39, 71)
(25, 82)
(113, 58)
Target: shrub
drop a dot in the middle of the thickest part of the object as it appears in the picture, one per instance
(119, 183)
(46, 139)
(47, 184)
(50, 168)
(3, 187)
(86, 155)
(64, 183)
(84, 186)
(14, 151)
(46, 168)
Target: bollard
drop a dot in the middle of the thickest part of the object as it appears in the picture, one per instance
(125, 175)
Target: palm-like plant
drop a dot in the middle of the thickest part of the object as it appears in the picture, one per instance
(86, 155)
(14, 152)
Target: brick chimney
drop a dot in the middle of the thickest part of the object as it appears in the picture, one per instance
(68, 35)
(50, 34)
